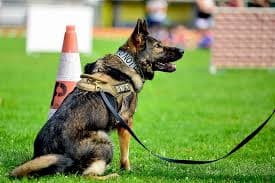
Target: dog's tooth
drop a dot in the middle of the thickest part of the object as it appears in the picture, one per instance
(173, 65)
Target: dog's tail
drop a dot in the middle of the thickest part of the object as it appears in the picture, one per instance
(50, 162)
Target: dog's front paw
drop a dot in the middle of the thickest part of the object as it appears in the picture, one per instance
(125, 165)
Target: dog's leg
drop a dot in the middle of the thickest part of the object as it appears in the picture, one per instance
(94, 153)
(124, 141)
(96, 169)
(127, 110)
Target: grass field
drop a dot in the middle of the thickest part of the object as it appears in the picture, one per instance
(187, 114)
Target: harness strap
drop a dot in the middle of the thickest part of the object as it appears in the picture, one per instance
(95, 77)
(100, 81)
(124, 125)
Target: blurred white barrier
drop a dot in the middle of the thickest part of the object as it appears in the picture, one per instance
(46, 25)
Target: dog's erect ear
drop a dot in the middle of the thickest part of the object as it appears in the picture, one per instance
(139, 33)
(144, 28)
(141, 28)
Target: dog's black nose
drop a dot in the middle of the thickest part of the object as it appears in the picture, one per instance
(181, 50)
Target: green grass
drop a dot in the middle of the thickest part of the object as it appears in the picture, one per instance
(187, 114)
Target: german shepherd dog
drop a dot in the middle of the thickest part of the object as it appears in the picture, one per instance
(75, 139)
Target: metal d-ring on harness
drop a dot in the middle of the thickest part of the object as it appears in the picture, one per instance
(124, 125)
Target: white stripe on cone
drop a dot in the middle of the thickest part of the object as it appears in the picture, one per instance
(69, 67)
(69, 70)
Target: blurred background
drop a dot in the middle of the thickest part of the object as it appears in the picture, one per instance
(196, 112)
(170, 21)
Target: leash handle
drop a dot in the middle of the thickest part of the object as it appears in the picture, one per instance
(124, 125)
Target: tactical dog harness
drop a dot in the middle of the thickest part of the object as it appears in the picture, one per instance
(102, 82)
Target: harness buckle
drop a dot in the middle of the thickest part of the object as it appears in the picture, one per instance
(94, 82)
(97, 85)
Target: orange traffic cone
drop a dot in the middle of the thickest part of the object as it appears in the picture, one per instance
(69, 69)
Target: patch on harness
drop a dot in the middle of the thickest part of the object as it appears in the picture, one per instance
(122, 88)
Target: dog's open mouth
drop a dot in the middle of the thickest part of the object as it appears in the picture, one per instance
(167, 64)
(164, 67)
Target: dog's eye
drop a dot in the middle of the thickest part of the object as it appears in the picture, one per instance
(157, 45)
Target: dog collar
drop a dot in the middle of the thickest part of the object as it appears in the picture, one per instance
(127, 59)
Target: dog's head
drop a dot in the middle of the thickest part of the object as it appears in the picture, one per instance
(150, 54)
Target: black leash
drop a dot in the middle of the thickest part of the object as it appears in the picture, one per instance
(124, 125)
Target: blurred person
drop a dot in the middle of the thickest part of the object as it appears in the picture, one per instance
(177, 36)
(233, 3)
(259, 3)
(156, 12)
(204, 21)
(156, 15)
